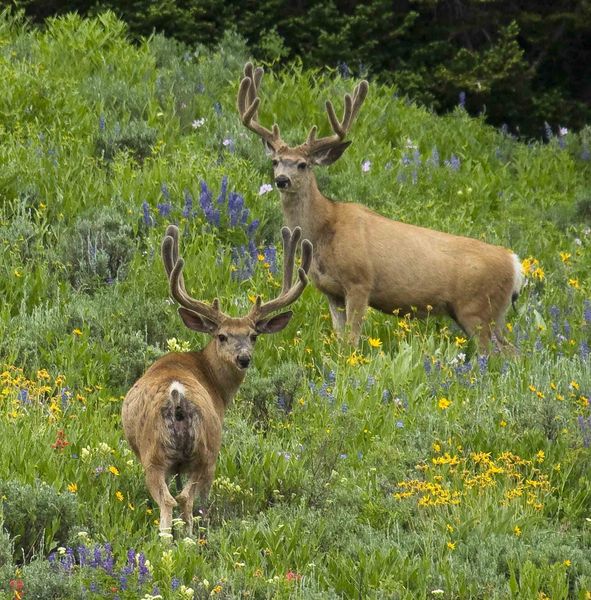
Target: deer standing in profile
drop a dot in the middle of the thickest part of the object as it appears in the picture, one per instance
(363, 259)
(173, 415)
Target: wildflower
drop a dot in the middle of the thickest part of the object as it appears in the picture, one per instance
(374, 342)
(574, 283)
(567, 563)
(540, 456)
(462, 100)
(229, 144)
(60, 441)
(443, 403)
(196, 123)
(148, 219)
(113, 469)
(102, 123)
(366, 166)
(164, 208)
(562, 131)
(516, 531)
(565, 256)
(291, 576)
(460, 341)
(72, 488)
(216, 589)
(265, 188)
(119, 495)
(574, 385)
(188, 209)
(77, 332)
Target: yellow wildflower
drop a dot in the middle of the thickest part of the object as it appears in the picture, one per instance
(72, 488)
(443, 403)
(540, 456)
(113, 469)
(564, 256)
(460, 341)
(574, 283)
(374, 342)
(119, 496)
(77, 332)
(451, 545)
(517, 531)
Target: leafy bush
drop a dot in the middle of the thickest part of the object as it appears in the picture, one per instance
(36, 517)
(97, 250)
(136, 137)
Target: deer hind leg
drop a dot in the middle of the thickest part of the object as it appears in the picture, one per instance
(356, 302)
(338, 314)
(199, 480)
(156, 484)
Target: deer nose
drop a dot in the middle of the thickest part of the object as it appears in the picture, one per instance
(282, 182)
(243, 361)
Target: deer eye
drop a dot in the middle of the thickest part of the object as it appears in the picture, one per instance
(302, 166)
(222, 337)
(274, 162)
(253, 337)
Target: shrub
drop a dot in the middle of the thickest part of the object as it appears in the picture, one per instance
(36, 517)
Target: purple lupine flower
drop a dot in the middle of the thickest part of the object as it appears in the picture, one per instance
(584, 351)
(235, 206)
(270, 254)
(229, 144)
(164, 208)
(453, 163)
(344, 70)
(244, 217)
(175, 583)
(143, 571)
(212, 215)
(405, 160)
(66, 394)
(188, 208)
(148, 219)
(109, 560)
(587, 311)
(386, 396)
(252, 227)
(505, 129)
(123, 582)
(102, 123)
(462, 100)
(399, 424)
(483, 362)
(427, 365)
(585, 153)
(96, 557)
(217, 107)
(83, 555)
(253, 250)
(23, 396)
(165, 191)
(223, 190)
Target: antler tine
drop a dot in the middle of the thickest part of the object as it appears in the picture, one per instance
(289, 293)
(174, 269)
(248, 103)
(340, 128)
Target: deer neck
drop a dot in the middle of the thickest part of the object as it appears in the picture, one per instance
(307, 208)
(224, 378)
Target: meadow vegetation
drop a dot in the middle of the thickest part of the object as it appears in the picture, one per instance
(412, 467)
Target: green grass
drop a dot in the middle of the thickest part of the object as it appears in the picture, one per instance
(410, 466)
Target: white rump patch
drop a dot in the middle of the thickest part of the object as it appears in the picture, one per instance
(518, 279)
(178, 386)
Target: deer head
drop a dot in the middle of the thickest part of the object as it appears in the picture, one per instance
(234, 338)
(292, 165)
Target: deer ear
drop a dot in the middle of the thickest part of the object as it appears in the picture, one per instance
(269, 150)
(329, 155)
(196, 322)
(274, 324)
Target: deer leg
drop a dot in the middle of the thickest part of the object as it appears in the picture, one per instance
(156, 484)
(186, 500)
(356, 303)
(474, 326)
(338, 314)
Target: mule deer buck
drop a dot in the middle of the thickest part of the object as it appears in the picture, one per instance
(173, 415)
(363, 259)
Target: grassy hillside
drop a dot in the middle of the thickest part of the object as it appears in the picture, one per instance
(411, 468)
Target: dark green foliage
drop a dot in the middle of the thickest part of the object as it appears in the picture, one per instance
(36, 517)
(520, 64)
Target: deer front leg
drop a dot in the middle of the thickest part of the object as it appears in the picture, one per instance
(356, 304)
(156, 484)
(338, 314)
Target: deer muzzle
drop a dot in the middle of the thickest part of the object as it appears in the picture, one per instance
(282, 182)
